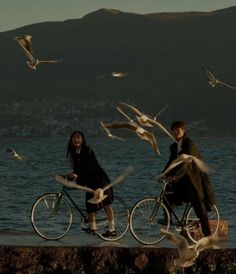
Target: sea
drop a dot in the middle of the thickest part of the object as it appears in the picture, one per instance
(23, 181)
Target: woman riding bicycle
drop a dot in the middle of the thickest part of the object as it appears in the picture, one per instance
(194, 186)
(88, 172)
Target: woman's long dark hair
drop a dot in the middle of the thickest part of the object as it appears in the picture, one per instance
(71, 148)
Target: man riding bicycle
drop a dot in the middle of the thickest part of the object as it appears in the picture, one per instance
(190, 184)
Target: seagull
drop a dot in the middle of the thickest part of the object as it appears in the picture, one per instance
(119, 74)
(188, 253)
(185, 158)
(141, 132)
(145, 119)
(99, 195)
(25, 43)
(114, 74)
(160, 112)
(213, 81)
(109, 133)
(15, 154)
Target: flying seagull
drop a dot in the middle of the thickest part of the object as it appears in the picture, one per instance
(109, 133)
(145, 119)
(160, 112)
(25, 43)
(188, 253)
(185, 158)
(15, 154)
(114, 74)
(213, 81)
(141, 132)
(99, 195)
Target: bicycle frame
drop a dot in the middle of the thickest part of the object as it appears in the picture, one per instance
(162, 198)
(59, 199)
(145, 221)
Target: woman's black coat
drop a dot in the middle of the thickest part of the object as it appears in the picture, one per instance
(92, 175)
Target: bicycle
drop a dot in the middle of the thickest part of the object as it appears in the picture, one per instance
(146, 212)
(51, 216)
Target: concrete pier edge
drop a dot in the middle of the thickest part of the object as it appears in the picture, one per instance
(109, 259)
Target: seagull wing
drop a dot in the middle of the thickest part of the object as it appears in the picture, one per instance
(101, 76)
(117, 137)
(207, 242)
(101, 196)
(225, 85)
(135, 110)
(109, 133)
(119, 74)
(120, 178)
(175, 163)
(152, 140)
(142, 118)
(15, 154)
(11, 150)
(49, 61)
(25, 44)
(121, 125)
(155, 123)
(201, 165)
(160, 112)
(208, 73)
(70, 184)
(123, 113)
(180, 242)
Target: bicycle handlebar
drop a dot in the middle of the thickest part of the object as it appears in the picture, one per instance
(166, 180)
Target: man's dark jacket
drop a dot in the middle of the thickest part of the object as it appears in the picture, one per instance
(202, 187)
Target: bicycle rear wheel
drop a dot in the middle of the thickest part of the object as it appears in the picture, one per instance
(193, 224)
(51, 216)
(144, 220)
(121, 218)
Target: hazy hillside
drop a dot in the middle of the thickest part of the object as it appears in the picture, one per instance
(162, 53)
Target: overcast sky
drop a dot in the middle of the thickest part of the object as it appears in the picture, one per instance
(17, 13)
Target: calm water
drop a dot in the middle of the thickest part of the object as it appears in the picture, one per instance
(23, 181)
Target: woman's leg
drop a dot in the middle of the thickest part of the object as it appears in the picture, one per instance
(92, 221)
(110, 216)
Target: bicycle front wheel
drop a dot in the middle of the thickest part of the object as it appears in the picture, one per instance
(193, 224)
(121, 218)
(51, 216)
(144, 218)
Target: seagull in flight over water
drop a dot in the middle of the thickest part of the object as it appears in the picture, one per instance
(114, 74)
(146, 120)
(25, 43)
(141, 132)
(187, 159)
(98, 193)
(15, 154)
(160, 112)
(213, 81)
(109, 133)
(189, 253)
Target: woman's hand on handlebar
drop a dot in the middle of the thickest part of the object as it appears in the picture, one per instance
(72, 176)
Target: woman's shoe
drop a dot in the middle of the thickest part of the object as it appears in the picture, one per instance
(109, 234)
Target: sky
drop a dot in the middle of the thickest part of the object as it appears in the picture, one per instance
(18, 13)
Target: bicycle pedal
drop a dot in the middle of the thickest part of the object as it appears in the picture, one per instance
(89, 230)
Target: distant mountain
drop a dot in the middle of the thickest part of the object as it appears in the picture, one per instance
(162, 53)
